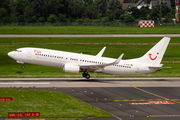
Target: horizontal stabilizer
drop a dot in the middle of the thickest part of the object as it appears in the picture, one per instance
(158, 67)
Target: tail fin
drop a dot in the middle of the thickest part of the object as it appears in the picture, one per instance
(155, 54)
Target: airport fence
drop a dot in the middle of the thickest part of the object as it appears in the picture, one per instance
(120, 24)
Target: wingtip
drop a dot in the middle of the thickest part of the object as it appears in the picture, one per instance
(167, 38)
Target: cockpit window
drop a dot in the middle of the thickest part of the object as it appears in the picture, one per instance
(18, 50)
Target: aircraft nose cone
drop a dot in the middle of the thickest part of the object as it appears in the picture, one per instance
(10, 54)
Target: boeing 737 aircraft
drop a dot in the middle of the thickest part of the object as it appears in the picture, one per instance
(75, 63)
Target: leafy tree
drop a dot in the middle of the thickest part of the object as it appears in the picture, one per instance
(135, 12)
(92, 10)
(163, 9)
(62, 18)
(20, 6)
(118, 13)
(79, 20)
(102, 7)
(143, 12)
(70, 10)
(5, 4)
(87, 20)
(43, 8)
(108, 5)
(122, 16)
(129, 19)
(154, 14)
(105, 19)
(111, 15)
(41, 19)
(20, 19)
(88, 2)
(52, 18)
(7, 19)
(168, 17)
(2, 13)
(114, 8)
(76, 8)
(114, 5)
(32, 20)
(28, 12)
(12, 8)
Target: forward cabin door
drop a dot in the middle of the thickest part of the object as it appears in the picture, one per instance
(29, 53)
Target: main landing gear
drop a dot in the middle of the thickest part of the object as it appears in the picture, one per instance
(86, 75)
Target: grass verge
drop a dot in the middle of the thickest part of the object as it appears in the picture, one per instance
(9, 70)
(87, 30)
(50, 104)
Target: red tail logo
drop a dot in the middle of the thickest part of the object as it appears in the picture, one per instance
(151, 57)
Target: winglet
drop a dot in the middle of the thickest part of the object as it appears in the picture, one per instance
(119, 59)
(101, 52)
(115, 62)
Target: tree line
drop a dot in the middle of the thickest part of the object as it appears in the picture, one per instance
(39, 11)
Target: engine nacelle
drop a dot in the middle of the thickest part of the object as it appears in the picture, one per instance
(71, 68)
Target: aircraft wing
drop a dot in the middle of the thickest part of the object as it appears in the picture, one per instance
(99, 67)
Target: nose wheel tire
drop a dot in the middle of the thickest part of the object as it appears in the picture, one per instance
(22, 67)
(86, 75)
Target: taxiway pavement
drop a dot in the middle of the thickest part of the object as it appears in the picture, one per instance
(125, 98)
(93, 82)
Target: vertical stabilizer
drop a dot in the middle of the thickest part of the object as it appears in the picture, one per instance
(155, 54)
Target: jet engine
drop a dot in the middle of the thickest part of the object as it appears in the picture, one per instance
(71, 68)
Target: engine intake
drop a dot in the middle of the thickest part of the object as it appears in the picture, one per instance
(71, 68)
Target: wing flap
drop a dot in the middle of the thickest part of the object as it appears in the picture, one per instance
(100, 66)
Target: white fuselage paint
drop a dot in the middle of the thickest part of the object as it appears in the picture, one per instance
(59, 59)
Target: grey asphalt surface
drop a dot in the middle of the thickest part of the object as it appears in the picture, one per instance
(93, 82)
(116, 98)
(87, 35)
(116, 101)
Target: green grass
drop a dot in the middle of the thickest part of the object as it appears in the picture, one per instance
(36, 71)
(50, 104)
(87, 30)
(103, 41)
(131, 47)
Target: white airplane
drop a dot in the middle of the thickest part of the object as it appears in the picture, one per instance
(75, 63)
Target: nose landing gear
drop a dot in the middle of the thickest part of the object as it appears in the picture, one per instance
(86, 75)
(22, 66)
